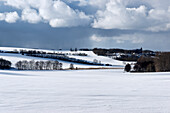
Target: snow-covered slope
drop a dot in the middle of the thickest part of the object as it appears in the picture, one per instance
(14, 58)
(90, 57)
(94, 91)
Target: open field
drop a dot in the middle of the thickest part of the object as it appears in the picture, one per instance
(88, 91)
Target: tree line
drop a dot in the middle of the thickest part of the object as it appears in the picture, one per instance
(63, 58)
(104, 52)
(162, 62)
(38, 65)
(159, 63)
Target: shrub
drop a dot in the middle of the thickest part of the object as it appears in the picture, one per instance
(127, 67)
(71, 66)
(5, 64)
(137, 68)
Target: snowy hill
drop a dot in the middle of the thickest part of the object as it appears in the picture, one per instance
(89, 58)
(89, 91)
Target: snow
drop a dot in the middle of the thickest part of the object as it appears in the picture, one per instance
(93, 91)
(14, 58)
(81, 91)
(91, 56)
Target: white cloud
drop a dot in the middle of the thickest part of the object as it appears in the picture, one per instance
(16, 3)
(9, 17)
(160, 20)
(132, 38)
(2, 16)
(135, 39)
(96, 38)
(158, 4)
(55, 12)
(151, 15)
(30, 15)
(58, 23)
(118, 16)
(59, 14)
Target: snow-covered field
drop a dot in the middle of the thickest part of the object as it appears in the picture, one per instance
(81, 91)
(91, 56)
(93, 91)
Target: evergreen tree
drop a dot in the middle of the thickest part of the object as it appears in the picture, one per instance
(128, 68)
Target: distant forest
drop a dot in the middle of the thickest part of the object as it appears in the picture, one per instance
(105, 52)
(158, 63)
(125, 55)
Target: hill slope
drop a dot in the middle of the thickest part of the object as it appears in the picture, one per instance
(90, 57)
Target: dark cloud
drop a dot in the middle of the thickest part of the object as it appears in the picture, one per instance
(43, 36)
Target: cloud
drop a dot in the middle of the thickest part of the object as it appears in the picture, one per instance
(59, 14)
(96, 38)
(157, 4)
(55, 12)
(148, 40)
(134, 39)
(9, 17)
(131, 38)
(31, 16)
(95, 3)
(42, 36)
(80, 2)
(161, 19)
(2, 16)
(152, 15)
(117, 15)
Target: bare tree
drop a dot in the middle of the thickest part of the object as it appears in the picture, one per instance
(38, 65)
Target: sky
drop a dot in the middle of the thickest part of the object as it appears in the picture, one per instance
(64, 24)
